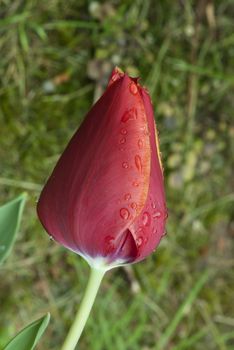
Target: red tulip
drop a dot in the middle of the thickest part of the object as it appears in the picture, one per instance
(105, 198)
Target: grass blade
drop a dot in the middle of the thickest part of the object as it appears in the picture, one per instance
(163, 341)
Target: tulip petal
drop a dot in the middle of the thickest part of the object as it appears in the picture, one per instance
(149, 227)
(116, 74)
(100, 184)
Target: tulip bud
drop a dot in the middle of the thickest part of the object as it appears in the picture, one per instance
(105, 197)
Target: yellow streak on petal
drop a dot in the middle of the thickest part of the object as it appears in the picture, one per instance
(145, 157)
(157, 147)
(146, 177)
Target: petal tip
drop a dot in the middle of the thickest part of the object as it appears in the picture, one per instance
(116, 74)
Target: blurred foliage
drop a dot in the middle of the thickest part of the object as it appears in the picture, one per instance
(55, 61)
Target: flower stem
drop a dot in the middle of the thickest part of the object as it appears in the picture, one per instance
(82, 315)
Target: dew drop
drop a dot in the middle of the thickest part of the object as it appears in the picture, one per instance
(124, 213)
(115, 77)
(157, 214)
(122, 140)
(146, 132)
(109, 239)
(138, 163)
(133, 88)
(131, 114)
(140, 143)
(125, 165)
(153, 205)
(134, 205)
(123, 131)
(139, 241)
(146, 90)
(146, 218)
(127, 196)
(135, 183)
(109, 244)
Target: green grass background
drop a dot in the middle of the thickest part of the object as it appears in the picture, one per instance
(55, 58)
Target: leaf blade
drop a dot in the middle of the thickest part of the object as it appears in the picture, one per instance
(10, 216)
(28, 337)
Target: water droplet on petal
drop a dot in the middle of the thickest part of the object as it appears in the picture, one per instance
(140, 143)
(138, 162)
(134, 205)
(124, 213)
(131, 114)
(116, 77)
(123, 140)
(125, 165)
(153, 205)
(109, 243)
(135, 183)
(139, 241)
(133, 88)
(146, 132)
(157, 214)
(146, 90)
(109, 239)
(123, 131)
(127, 196)
(146, 218)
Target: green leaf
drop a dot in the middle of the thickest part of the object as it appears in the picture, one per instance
(28, 338)
(10, 215)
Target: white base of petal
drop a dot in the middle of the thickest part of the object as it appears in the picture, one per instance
(102, 263)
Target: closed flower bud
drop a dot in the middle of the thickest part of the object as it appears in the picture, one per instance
(105, 197)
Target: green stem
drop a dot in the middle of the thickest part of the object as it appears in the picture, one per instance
(84, 310)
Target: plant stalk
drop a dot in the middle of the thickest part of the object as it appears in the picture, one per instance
(82, 315)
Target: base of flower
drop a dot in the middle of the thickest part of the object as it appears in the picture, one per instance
(102, 263)
(82, 315)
